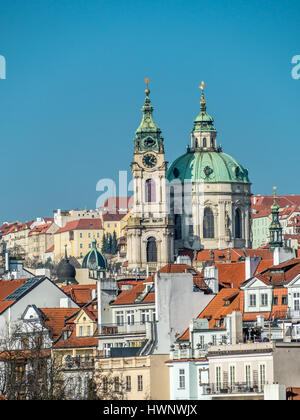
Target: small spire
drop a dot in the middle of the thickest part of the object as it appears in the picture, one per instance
(202, 87)
(147, 81)
(66, 255)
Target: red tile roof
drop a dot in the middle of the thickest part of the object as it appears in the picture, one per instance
(74, 342)
(51, 249)
(80, 293)
(6, 288)
(81, 224)
(217, 308)
(55, 318)
(40, 229)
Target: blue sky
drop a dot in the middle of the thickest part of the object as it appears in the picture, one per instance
(72, 99)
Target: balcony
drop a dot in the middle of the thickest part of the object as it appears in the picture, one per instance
(78, 362)
(232, 389)
(124, 328)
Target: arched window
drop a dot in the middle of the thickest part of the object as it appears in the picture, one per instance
(212, 142)
(208, 224)
(204, 142)
(196, 143)
(150, 191)
(238, 223)
(151, 250)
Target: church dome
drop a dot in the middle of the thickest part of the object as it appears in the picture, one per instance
(94, 260)
(207, 166)
(66, 272)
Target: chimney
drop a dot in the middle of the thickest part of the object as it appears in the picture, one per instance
(251, 264)
(281, 255)
(65, 303)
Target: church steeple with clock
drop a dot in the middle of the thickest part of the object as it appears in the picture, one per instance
(150, 230)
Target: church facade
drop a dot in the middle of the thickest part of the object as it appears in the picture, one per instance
(202, 201)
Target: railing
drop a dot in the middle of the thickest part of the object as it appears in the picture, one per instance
(78, 362)
(188, 353)
(235, 388)
(293, 314)
(124, 328)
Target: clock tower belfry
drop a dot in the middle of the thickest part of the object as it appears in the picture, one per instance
(150, 229)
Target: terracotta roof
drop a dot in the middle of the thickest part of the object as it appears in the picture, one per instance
(217, 309)
(109, 217)
(231, 274)
(55, 318)
(51, 249)
(81, 224)
(80, 293)
(236, 254)
(293, 393)
(6, 288)
(73, 341)
(40, 229)
(127, 297)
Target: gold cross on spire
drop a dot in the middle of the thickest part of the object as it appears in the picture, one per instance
(147, 81)
(202, 86)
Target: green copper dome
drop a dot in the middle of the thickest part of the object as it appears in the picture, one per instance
(94, 260)
(207, 166)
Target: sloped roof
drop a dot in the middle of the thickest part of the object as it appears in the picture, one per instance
(7, 287)
(55, 318)
(80, 293)
(217, 308)
(81, 224)
(73, 341)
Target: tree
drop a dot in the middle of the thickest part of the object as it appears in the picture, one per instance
(114, 245)
(109, 241)
(27, 368)
(104, 248)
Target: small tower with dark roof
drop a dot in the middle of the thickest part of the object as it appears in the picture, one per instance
(66, 273)
(275, 227)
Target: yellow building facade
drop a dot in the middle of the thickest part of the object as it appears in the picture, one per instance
(76, 237)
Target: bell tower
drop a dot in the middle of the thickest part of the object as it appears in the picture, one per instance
(150, 229)
(275, 228)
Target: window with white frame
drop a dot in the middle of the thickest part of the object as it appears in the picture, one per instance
(130, 317)
(145, 315)
(296, 301)
(218, 378)
(140, 383)
(201, 341)
(181, 379)
(248, 375)
(231, 376)
(264, 299)
(120, 317)
(252, 300)
(262, 376)
(214, 340)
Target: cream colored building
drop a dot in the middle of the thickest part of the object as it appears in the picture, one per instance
(142, 377)
(16, 239)
(40, 240)
(62, 217)
(242, 371)
(76, 237)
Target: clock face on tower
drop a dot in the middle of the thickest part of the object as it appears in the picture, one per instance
(149, 160)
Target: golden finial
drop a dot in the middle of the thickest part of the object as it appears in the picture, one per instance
(147, 81)
(274, 188)
(202, 86)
